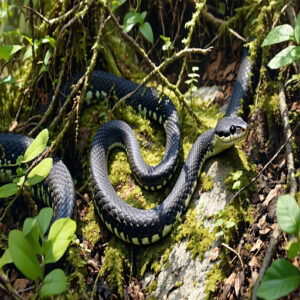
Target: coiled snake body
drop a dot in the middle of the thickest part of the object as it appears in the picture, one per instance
(128, 223)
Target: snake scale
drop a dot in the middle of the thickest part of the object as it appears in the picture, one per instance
(128, 223)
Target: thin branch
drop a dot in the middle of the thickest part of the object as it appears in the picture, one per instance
(162, 66)
(218, 22)
(162, 78)
(235, 252)
(37, 13)
(267, 164)
(86, 79)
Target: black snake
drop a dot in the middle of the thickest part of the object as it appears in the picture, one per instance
(130, 224)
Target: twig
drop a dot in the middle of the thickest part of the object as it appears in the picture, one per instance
(162, 78)
(266, 165)
(293, 185)
(162, 66)
(37, 13)
(287, 132)
(218, 23)
(235, 252)
(86, 78)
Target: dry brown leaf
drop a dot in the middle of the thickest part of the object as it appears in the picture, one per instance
(265, 231)
(272, 194)
(257, 245)
(262, 221)
(238, 282)
(214, 254)
(254, 263)
(21, 283)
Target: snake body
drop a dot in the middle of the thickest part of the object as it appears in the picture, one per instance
(128, 223)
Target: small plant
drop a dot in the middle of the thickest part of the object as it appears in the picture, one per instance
(30, 251)
(192, 81)
(282, 277)
(221, 224)
(168, 45)
(291, 53)
(133, 18)
(29, 177)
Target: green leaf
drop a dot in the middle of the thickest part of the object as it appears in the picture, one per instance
(44, 219)
(60, 236)
(6, 51)
(31, 233)
(288, 214)
(236, 175)
(130, 19)
(236, 185)
(229, 224)
(295, 77)
(279, 34)
(27, 54)
(8, 80)
(219, 222)
(146, 31)
(292, 250)
(39, 172)
(116, 3)
(37, 146)
(54, 283)
(8, 190)
(23, 255)
(281, 278)
(5, 259)
(142, 17)
(297, 29)
(285, 57)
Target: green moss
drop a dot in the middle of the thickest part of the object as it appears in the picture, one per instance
(199, 238)
(207, 182)
(152, 287)
(77, 278)
(89, 227)
(115, 264)
(213, 276)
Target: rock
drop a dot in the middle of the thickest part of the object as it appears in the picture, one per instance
(207, 93)
(185, 277)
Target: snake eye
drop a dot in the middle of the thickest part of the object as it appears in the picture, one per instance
(232, 129)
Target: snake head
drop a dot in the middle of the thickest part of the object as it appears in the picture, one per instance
(229, 131)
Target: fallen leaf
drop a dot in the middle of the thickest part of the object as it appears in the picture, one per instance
(21, 283)
(214, 254)
(257, 245)
(262, 221)
(238, 282)
(272, 194)
(254, 263)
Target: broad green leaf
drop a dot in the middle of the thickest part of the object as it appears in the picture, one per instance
(39, 172)
(23, 255)
(146, 31)
(27, 54)
(219, 222)
(292, 250)
(5, 259)
(31, 233)
(285, 57)
(44, 219)
(297, 29)
(142, 17)
(236, 185)
(116, 3)
(236, 175)
(6, 51)
(8, 190)
(60, 236)
(281, 278)
(288, 214)
(278, 34)
(229, 224)
(37, 146)
(54, 283)
(130, 19)
(8, 80)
